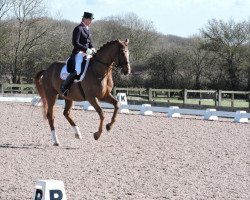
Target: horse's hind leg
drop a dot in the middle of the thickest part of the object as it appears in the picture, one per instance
(110, 99)
(94, 102)
(51, 99)
(67, 114)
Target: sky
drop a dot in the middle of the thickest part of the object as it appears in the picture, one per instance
(182, 18)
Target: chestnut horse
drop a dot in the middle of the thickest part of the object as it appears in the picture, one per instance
(96, 85)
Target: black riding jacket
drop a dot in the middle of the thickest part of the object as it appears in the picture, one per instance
(81, 39)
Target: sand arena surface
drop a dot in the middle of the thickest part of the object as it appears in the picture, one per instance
(143, 157)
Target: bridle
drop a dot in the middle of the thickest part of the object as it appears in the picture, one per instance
(113, 65)
(121, 64)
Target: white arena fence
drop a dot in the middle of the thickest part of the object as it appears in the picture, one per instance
(146, 109)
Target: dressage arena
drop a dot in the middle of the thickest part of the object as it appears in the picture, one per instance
(142, 157)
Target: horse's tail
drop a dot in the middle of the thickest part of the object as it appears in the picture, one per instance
(41, 92)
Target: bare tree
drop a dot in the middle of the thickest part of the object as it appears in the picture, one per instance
(4, 8)
(200, 61)
(164, 68)
(227, 40)
(56, 46)
(27, 33)
(4, 30)
(141, 33)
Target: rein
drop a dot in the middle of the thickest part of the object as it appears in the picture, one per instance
(109, 66)
(113, 65)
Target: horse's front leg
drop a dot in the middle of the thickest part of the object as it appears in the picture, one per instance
(110, 99)
(95, 103)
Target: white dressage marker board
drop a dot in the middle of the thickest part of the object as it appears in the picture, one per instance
(174, 112)
(122, 99)
(240, 117)
(49, 190)
(146, 109)
(210, 114)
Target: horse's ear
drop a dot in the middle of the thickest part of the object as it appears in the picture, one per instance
(126, 41)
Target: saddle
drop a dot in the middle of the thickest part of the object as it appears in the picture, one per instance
(69, 67)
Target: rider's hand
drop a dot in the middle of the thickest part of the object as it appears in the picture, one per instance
(94, 51)
(89, 52)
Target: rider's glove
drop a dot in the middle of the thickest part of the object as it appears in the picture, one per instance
(89, 52)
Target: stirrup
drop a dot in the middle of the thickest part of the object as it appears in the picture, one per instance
(67, 83)
(64, 91)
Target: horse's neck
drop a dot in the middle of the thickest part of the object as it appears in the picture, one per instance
(100, 70)
(104, 60)
(107, 54)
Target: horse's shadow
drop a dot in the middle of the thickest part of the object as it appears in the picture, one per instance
(25, 146)
(31, 146)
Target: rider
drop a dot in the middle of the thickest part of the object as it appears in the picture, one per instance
(83, 45)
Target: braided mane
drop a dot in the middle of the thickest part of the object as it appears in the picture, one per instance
(106, 44)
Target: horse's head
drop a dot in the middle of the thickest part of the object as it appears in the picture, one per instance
(123, 57)
(114, 52)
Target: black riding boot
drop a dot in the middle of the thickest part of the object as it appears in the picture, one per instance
(67, 83)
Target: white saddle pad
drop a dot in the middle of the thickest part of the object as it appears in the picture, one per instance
(64, 74)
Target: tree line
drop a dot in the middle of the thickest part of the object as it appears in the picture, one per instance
(217, 58)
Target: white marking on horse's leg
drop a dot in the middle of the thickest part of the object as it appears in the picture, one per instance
(54, 138)
(78, 134)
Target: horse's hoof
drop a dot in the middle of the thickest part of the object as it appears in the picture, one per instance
(56, 144)
(97, 135)
(77, 136)
(108, 127)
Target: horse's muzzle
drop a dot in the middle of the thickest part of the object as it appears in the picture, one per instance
(126, 69)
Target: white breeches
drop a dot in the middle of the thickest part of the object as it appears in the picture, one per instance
(78, 59)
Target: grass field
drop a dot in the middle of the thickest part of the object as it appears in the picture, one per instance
(208, 102)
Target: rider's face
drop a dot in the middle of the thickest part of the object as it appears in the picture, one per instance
(87, 21)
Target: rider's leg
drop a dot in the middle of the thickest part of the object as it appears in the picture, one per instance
(79, 58)
(71, 77)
